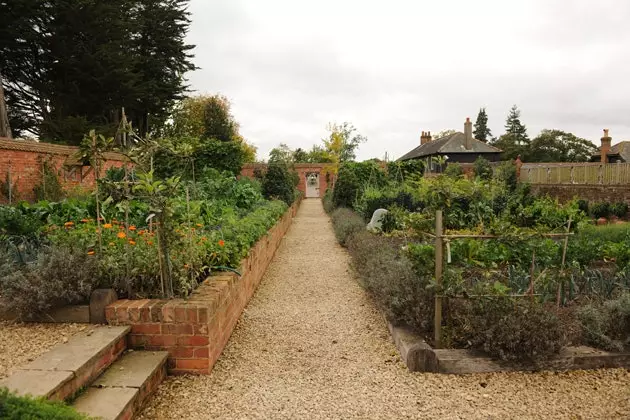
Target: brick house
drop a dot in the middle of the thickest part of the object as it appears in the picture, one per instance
(21, 162)
(455, 148)
(619, 153)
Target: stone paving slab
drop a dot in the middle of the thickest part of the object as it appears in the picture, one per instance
(132, 370)
(62, 371)
(107, 403)
(79, 350)
(39, 383)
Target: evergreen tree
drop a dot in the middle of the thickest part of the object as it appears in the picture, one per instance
(515, 140)
(482, 131)
(515, 128)
(71, 65)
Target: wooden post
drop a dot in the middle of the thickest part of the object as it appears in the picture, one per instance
(439, 267)
(564, 258)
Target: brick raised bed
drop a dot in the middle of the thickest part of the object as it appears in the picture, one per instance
(195, 330)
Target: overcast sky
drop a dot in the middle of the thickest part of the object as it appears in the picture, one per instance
(395, 68)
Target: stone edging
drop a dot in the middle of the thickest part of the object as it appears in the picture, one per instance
(419, 356)
(195, 330)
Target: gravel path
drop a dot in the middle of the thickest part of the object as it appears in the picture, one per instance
(312, 345)
(21, 343)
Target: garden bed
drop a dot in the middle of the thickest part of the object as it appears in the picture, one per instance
(195, 330)
(419, 356)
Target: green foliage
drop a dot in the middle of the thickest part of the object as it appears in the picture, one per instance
(506, 173)
(49, 188)
(482, 131)
(346, 223)
(373, 199)
(405, 171)
(454, 170)
(279, 182)
(601, 209)
(353, 178)
(483, 169)
(135, 58)
(619, 209)
(13, 407)
(328, 201)
(559, 146)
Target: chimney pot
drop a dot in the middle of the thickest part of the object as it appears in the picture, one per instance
(468, 134)
(606, 146)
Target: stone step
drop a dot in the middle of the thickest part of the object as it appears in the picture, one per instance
(122, 389)
(66, 368)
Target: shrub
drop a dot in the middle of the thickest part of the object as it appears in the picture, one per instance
(454, 170)
(346, 223)
(389, 277)
(279, 182)
(328, 202)
(506, 173)
(483, 169)
(353, 178)
(14, 221)
(13, 407)
(595, 324)
(619, 209)
(601, 209)
(508, 329)
(58, 277)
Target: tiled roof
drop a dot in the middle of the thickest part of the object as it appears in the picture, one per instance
(453, 143)
(49, 148)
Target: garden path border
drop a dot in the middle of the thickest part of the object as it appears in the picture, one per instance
(419, 356)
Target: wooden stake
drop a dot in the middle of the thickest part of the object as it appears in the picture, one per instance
(564, 258)
(439, 267)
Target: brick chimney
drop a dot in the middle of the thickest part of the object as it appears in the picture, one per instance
(468, 134)
(425, 137)
(606, 144)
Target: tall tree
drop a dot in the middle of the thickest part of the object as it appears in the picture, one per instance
(71, 65)
(161, 59)
(343, 141)
(514, 141)
(482, 131)
(515, 128)
(559, 146)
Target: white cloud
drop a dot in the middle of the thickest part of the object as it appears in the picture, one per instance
(397, 68)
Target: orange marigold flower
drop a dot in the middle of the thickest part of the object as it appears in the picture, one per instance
(85, 220)
(68, 224)
(142, 232)
(91, 253)
(203, 238)
(221, 243)
(107, 226)
(121, 235)
(132, 242)
(132, 227)
(149, 242)
(199, 225)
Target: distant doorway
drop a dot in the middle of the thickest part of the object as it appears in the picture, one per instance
(312, 184)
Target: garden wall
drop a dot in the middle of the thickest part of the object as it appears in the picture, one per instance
(302, 169)
(22, 161)
(564, 192)
(195, 331)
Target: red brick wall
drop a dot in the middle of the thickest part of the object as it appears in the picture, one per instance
(564, 192)
(26, 171)
(301, 168)
(195, 331)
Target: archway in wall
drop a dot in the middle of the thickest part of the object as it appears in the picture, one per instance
(312, 184)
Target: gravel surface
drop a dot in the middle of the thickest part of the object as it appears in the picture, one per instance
(311, 344)
(21, 343)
